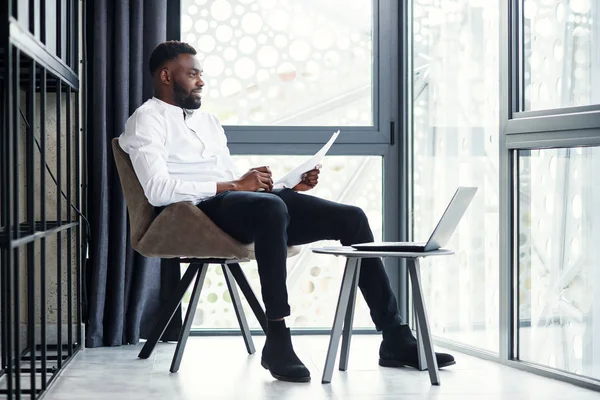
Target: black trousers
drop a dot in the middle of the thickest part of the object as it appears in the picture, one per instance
(284, 217)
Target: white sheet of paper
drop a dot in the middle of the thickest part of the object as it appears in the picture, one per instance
(294, 177)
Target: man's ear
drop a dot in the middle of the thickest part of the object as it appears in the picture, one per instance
(165, 76)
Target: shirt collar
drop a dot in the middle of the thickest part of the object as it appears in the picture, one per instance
(175, 110)
(187, 113)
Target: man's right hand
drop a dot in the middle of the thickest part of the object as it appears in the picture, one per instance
(256, 179)
(264, 169)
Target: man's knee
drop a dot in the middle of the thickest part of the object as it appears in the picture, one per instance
(272, 207)
(355, 215)
(355, 226)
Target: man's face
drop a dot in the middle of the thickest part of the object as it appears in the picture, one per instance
(187, 82)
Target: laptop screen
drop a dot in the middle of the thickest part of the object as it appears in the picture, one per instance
(452, 216)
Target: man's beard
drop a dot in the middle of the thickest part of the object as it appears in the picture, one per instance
(184, 99)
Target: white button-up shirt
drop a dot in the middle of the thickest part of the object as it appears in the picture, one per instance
(177, 155)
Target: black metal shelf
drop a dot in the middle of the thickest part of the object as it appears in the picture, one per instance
(25, 77)
(39, 55)
(29, 45)
(27, 234)
(45, 371)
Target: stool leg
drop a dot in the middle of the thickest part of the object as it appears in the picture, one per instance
(421, 314)
(347, 331)
(239, 310)
(248, 293)
(420, 347)
(340, 312)
(168, 310)
(189, 318)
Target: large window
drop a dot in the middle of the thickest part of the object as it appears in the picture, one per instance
(455, 87)
(559, 232)
(505, 97)
(550, 226)
(285, 62)
(561, 53)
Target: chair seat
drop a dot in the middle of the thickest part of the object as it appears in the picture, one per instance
(183, 230)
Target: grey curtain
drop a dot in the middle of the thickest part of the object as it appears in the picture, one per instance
(123, 290)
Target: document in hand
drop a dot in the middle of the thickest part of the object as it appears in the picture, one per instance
(294, 177)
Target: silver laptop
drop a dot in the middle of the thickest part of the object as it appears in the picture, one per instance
(442, 232)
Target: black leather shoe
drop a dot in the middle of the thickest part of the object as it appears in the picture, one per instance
(278, 355)
(399, 349)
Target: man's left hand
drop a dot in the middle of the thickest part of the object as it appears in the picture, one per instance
(309, 180)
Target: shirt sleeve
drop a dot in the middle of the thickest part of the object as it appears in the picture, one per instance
(144, 140)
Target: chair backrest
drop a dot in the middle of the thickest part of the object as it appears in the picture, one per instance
(141, 212)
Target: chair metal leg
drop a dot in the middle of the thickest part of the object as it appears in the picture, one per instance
(168, 310)
(347, 331)
(248, 293)
(239, 310)
(340, 313)
(421, 314)
(189, 318)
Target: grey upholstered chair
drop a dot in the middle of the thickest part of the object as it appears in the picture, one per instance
(183, 231)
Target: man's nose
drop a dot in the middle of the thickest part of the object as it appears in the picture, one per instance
(200, 82)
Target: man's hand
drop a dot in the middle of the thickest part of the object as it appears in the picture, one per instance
(254, 180)
(309, 180)
(264, 169)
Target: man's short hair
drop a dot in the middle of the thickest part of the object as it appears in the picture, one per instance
(168, 51)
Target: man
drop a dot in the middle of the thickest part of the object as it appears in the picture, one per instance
(180, 153)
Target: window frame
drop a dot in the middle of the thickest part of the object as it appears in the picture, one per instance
(520, 122)
(384, 96)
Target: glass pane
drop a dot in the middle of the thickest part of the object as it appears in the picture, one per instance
(562, 53)
(456, 143)
(284, 62)
(559, 275)
(313, 280)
